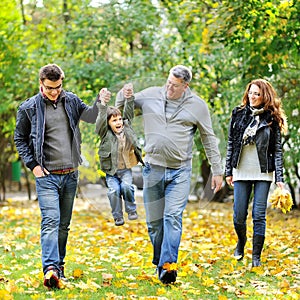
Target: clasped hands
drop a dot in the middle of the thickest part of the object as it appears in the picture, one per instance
(105, 94)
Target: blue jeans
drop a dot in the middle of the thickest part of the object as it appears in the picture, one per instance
(242, 193)
(56, 195)
(165, 197)
(120, 185)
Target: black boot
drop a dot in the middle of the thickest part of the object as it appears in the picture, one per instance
(258, 243)
(241, 233)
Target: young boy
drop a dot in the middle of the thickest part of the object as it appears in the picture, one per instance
(119, 151)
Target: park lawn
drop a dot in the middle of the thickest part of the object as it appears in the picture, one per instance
(108, 262)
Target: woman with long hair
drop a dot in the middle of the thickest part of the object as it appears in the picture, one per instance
(254, 159)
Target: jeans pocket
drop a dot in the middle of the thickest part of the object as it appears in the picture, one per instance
(146, 169)
(74, 175)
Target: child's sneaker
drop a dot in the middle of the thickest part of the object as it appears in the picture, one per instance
(119, 221)
(132, 215)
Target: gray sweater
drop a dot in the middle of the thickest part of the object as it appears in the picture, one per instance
(57, 139)
(168, 143)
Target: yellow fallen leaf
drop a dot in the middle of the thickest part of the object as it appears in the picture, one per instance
(31, 281)
(61, 284)
(5, 295)
(194, 291)
(49, 274)
(284, 284)
(207, 281)
(106, 279)
(132, 285)
(258, 270)
(82, 285)
(93, 285)
(77, 273)
(170, 267)
(161, 291)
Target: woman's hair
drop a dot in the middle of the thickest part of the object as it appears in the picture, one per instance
(112, 111)
(270, 101)
(51, 72)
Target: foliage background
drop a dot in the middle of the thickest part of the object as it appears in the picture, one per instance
(106, 43)
(226, 44)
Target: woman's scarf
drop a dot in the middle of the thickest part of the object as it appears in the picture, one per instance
(250, 131)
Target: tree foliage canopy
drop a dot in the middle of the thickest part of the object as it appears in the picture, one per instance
(106, 43)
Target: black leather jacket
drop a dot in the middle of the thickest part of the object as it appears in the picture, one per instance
(267, 140)
(30, 126)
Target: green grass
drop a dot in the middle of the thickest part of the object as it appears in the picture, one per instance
(206, 268)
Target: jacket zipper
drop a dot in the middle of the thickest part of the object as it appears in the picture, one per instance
(43, 138)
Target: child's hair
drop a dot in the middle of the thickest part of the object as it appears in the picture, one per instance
(112, 111)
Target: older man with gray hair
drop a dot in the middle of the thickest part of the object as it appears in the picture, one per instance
(171, 116)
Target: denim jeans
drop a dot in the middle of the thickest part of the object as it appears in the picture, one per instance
(165, 197)
(242, 193)
(120, 185)
(56, 195)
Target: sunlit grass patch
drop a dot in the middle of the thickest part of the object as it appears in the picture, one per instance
(108, 262)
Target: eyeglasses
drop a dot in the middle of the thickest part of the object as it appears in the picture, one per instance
(254, 94)
(50, 88)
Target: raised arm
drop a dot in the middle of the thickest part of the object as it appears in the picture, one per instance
(128, 112)
(101, 121)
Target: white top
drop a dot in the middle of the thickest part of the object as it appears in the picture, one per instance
(249, 167)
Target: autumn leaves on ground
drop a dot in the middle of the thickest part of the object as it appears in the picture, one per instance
(108, 262)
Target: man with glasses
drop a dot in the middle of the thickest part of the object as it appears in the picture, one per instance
(47, 138)
(171, 115)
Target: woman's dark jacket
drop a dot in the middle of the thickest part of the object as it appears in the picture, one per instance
(267, 140)
(108, 149)
(30, 126)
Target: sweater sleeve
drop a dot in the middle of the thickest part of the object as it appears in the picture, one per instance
(101, 121)
(128, 113)
(120, 100)
(209, 140)
(89, 113)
